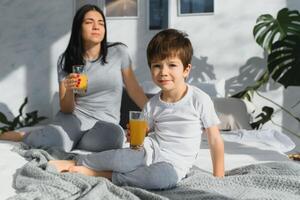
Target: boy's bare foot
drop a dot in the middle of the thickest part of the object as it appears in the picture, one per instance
(62, 165)
(15, 136)
(90, 172)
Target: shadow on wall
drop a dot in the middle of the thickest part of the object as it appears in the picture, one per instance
(144, 35)
(201, 70)
(293, 4)
(29, 29)
(251, 71)
(248, 73)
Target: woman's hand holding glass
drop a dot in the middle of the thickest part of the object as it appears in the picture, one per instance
(82, 80)
(72, 81)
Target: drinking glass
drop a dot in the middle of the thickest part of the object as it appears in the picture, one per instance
(138, 128)
(82, 86)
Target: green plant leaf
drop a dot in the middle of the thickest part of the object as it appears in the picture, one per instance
(15, 123)
(263, 117)
(41, 118)
(280, 37)
(31, 123)
(3, 119)
(22, 106)
(268, 30)
(32, 118)
(246, 94)
(19, 121)
(284, 61)
(32, 114)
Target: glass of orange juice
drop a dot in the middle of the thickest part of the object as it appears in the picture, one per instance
(82, 87)
(138, 127)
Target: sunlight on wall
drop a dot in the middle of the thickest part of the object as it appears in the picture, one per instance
(56, 49)
(14, 91)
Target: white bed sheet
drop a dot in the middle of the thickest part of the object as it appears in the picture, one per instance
(245, 147)
(10, 162)
(240, 149)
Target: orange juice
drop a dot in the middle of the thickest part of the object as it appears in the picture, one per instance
(83, 82)
(138, 129)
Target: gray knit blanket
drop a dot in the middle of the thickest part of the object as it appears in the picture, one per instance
(37, 180)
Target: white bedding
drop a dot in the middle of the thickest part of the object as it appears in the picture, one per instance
(244, 147)
(241, 148)
(10, 162)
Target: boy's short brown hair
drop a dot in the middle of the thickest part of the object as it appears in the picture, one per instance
(169, 43)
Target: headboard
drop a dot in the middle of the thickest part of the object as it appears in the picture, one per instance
(232, 112)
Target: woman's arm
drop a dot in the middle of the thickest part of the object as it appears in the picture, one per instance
(135, 92)
(66, 95)
(216, 145)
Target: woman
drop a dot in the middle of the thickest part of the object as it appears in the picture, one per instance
(88, 121)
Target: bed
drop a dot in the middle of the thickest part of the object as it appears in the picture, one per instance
(255, 161)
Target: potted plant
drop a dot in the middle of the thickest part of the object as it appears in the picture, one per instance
(21, 120)
(280, 38)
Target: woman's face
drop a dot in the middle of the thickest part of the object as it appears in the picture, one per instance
(93, 28)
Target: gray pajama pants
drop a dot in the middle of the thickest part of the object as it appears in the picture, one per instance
(130, 169)
(65, 134)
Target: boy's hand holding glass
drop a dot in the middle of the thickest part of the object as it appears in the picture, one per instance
(138, 127)
(128, 133)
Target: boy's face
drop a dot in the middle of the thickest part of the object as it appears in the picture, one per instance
(169, 74)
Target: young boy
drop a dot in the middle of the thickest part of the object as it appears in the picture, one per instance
(178, 116)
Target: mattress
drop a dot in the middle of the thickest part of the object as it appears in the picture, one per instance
(242, 148)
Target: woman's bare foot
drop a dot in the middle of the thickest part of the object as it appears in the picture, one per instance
(62, 165)
(90, 172)
(15, 136)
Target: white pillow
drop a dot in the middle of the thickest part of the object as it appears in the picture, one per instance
(264, 139)
(214, 88)
(232, 113)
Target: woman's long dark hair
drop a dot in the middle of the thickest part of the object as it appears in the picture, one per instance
(73, 55)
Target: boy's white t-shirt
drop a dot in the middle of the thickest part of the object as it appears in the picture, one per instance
(176, 128)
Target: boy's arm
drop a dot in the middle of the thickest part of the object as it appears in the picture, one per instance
(216, 146)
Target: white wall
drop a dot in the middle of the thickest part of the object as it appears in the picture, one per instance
(33, 34)
(224, 48)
